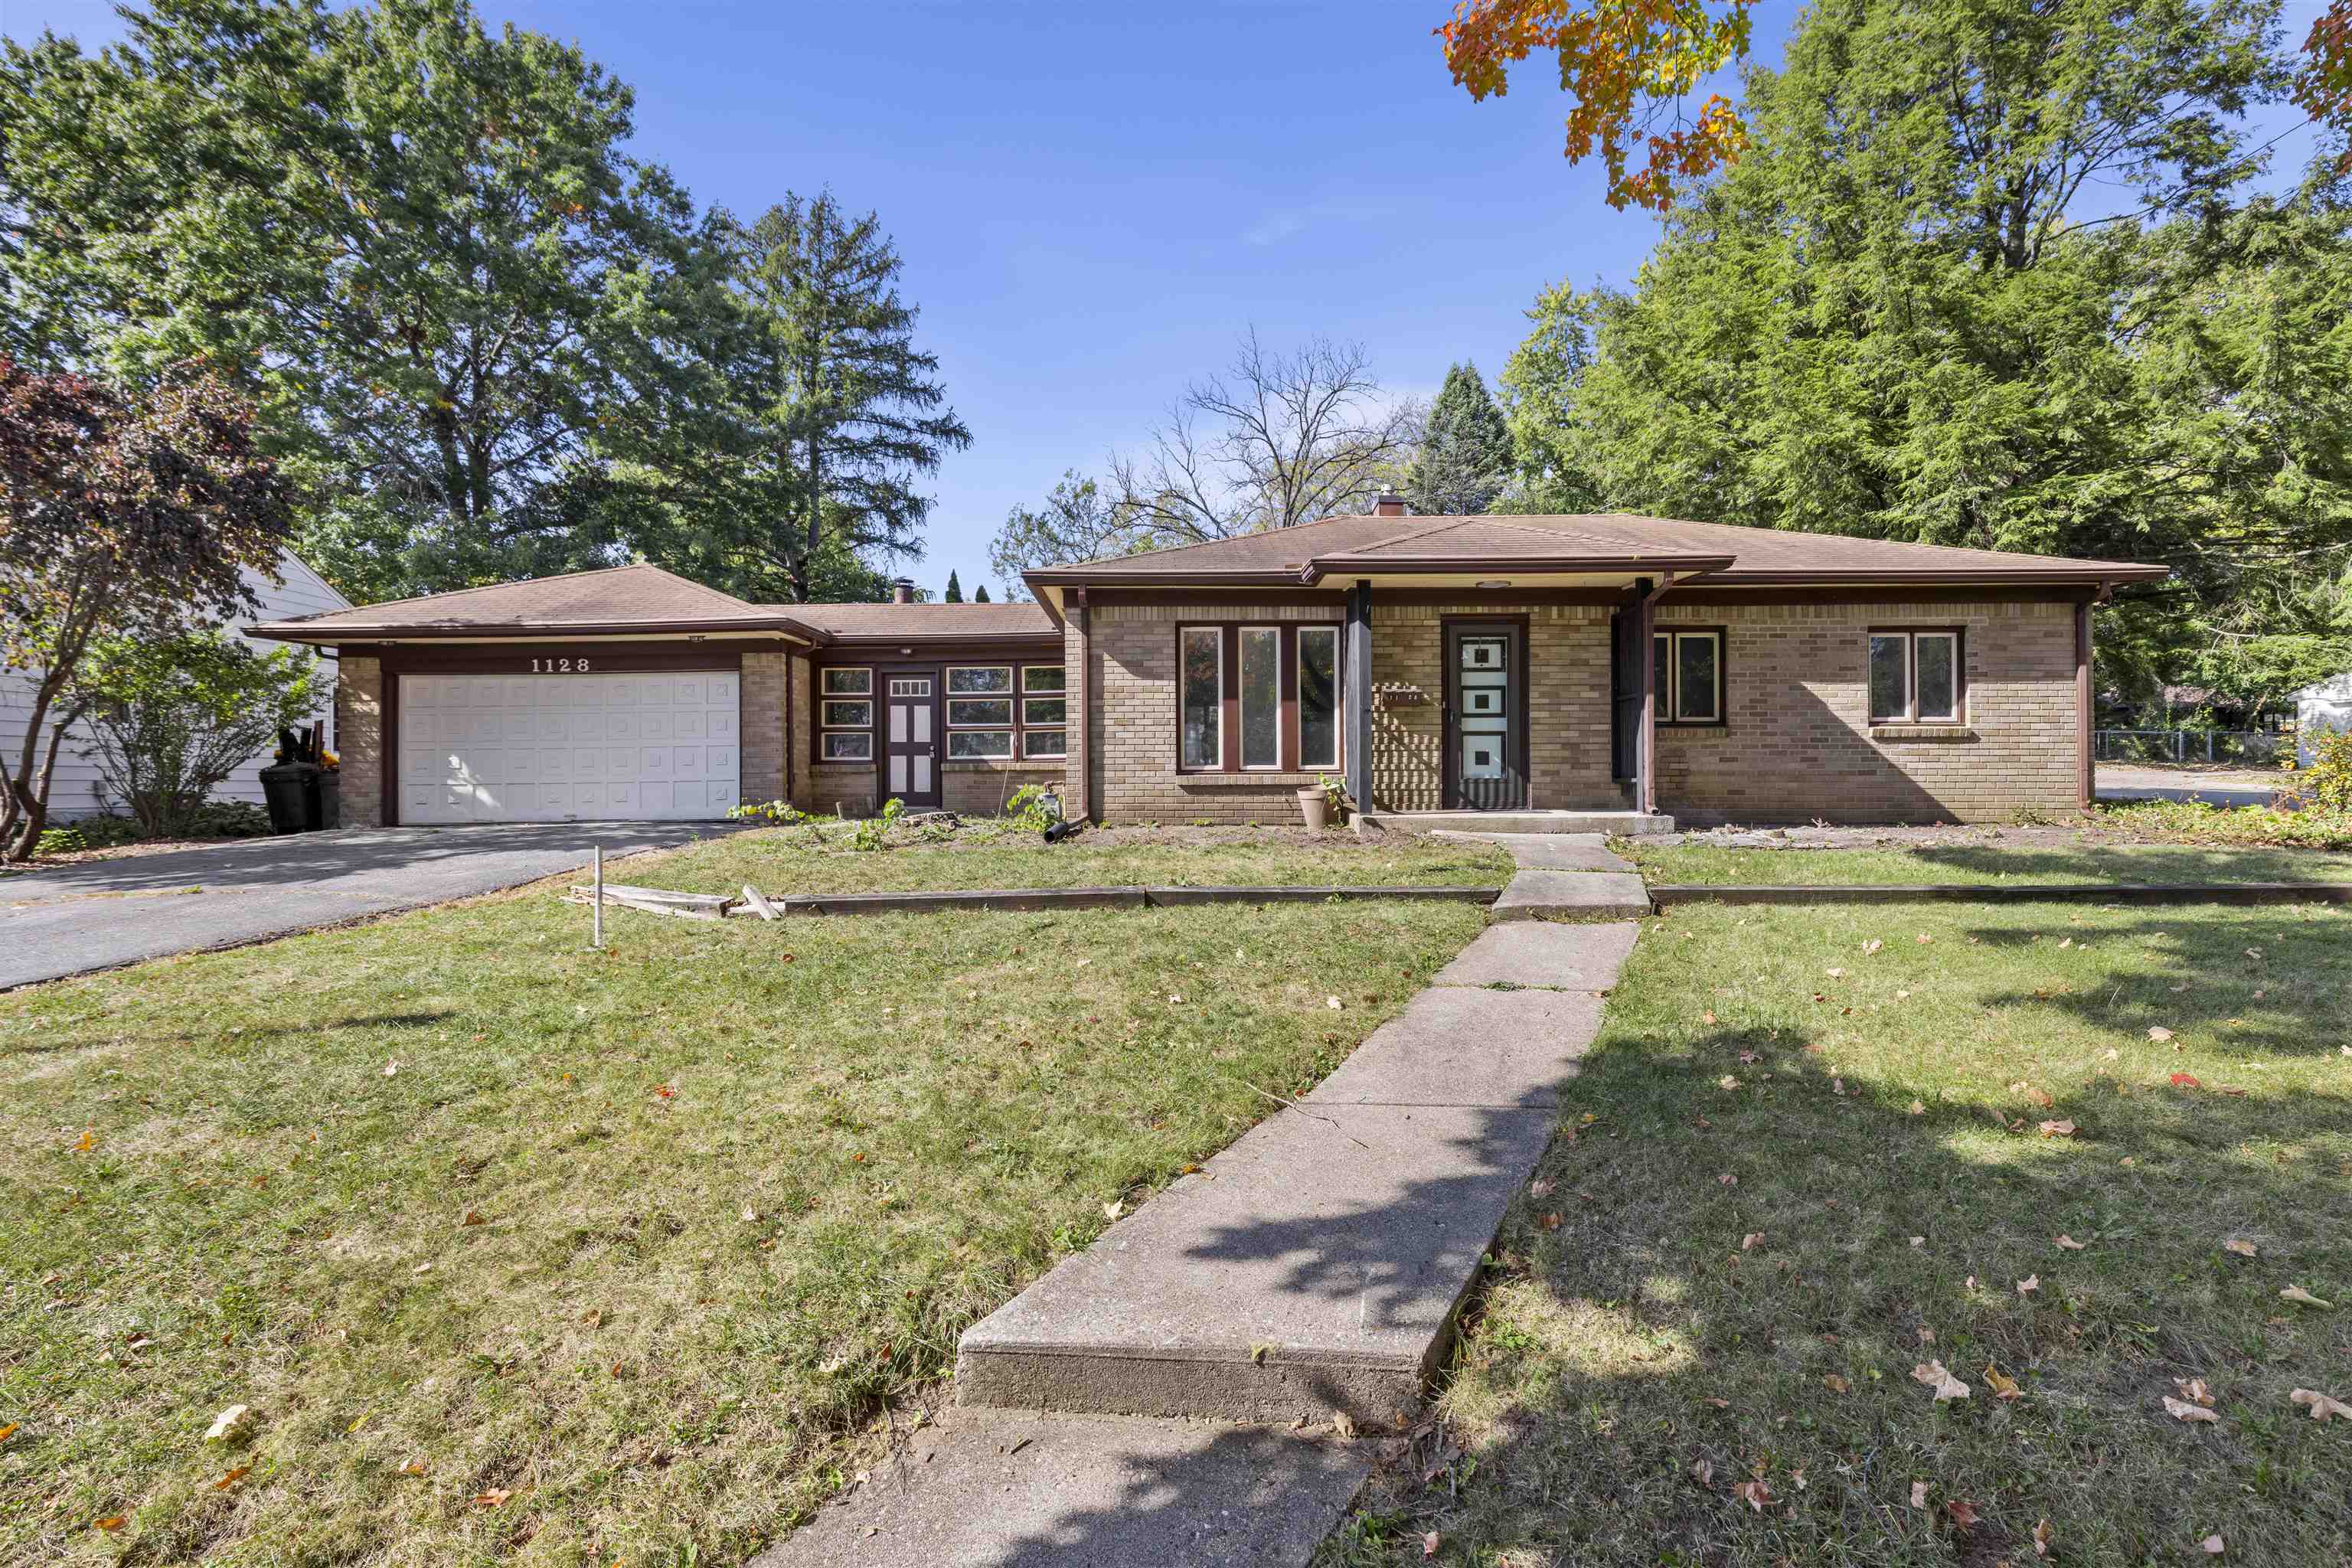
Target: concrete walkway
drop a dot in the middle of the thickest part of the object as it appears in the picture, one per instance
(1564, 877)
(1310, 1271)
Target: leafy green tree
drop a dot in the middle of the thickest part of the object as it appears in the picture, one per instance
(118, 518)
(954, 595)
(1078, 521)
(420, 244)
(1539, 385)
(842, 411)
(1464, 456)
(171, 719)
(1989, 277)
(980, 595)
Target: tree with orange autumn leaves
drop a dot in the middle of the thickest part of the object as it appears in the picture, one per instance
(1630, 65)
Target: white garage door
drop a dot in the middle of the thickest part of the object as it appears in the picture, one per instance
(560, 748)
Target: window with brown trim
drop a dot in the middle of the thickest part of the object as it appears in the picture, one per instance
(1917, 676)
(1686, 677)
(1253, 697)
(845, 714)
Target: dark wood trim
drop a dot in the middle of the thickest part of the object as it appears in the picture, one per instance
(1891, 592)
(1722, 635)
(1229, 704)
(1305, 598)
(2086, 754)
(605, 658)
(1515, 730)
(1356, 696)
(1475, 601)
(388, 743)
(1645, 746)
(1911, 670)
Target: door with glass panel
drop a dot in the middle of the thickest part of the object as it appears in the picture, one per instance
(910, 741)
(1486, 716)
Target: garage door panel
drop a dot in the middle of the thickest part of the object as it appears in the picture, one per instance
(497, 747)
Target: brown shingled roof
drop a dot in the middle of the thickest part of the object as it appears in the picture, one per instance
(968, 621)
(1724, 553)
(618, 599)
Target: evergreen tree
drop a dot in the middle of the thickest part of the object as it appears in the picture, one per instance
(843, 409)
(954, 595)
(980, 595)
(1900, 315)
(1464, 458)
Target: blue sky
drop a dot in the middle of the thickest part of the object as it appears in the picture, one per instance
(1093, 202)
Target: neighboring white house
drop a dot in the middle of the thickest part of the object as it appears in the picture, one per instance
(73, 791)
(2318, 708)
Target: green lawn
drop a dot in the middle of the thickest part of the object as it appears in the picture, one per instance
(1690, 864)
(1796, 1168)
(781, 861)
(532, 1253)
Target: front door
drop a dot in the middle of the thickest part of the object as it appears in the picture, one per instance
(910, 746)
(1486, 716)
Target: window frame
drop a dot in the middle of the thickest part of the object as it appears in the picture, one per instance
(1671, 696)
(826, 730)
(1061, 671)
(1027, 752)
(1958, 635)
(1298, 706)
(948, 672)
(1229, 697)
(1010, 721)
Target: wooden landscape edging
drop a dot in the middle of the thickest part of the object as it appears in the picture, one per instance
(2005, 893)
(714, 905)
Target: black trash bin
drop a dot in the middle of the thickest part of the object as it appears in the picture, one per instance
(291, 790)
(330, 798)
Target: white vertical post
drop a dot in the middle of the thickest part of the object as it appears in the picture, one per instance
(596, 928)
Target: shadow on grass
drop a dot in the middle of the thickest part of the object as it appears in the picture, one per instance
(1725, 1286)
(2135, 864)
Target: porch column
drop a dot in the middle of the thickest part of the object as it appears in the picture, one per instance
(1646, 659)
(2086, 754)
(1360, 695)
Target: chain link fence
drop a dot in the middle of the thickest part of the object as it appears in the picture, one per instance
(2245, 748)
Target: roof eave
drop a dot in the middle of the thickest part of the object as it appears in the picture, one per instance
(322, 636)
(1362, 565)
(2080, 576)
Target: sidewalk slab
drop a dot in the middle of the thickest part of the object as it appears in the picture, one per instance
(1538, 953)
(1572, 896)
(1551, 851)
(1010, 1490)
(1530, 821)
(1469, 1047)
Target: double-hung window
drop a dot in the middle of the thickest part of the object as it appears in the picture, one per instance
(1916, 677)
(1686, 677)
(846, 715)
(1257, 698)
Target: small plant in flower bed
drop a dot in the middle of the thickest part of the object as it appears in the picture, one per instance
(88, 833)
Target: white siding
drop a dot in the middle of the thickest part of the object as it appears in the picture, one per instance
(2326, 706)
(74, 791)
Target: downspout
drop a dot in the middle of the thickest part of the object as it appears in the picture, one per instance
(2086, 718)
(792, 666)
(1357, 682)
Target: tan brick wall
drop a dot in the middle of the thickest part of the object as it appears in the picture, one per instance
(1129, 682)
(1798, 743)
(761, 716)
(981, 789)
(1077, 789)
(359, 738)
(1798, 746)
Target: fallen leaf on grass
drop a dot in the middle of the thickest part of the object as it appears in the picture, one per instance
(1113, 1210)
(2068, 1243)
(1964, 1514)
(2029, 1284)
(496, 1497)
(1919, 1495)
(1751, 1239)
(1429, 1543)
(473, 1216)
(2214, 1545)
(1332, 1003)
(1540, 1187)
(2322, 1407)
(2181, 1410)
(2058, 1130)
(2185, 1080)
(1917, 1109)
(2159, 1034)
(86, 1142)
(1835, 974)
(7, 1432)
(1703, 1472)
(1726, 1081)
(2042, 1539)
(2297, 1293)
(2001, 1383)
(414, 1468)
(230, 1423)
(1835, 1383)
(1945, 1386)
(1755, 1494)
(2243, 1248)
(391, 1068)
(2194, 1388)
(112, 1523)
(231, 1478)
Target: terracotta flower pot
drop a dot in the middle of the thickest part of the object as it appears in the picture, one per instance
(1313, 807)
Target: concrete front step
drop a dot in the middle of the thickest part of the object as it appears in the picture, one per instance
(1572, 896)
(1521, 821)
(1001, 1489)
(1316, 1266)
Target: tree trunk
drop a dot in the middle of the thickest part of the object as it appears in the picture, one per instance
(34, 811)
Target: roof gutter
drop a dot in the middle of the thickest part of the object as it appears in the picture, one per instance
(350, 632)
(1357, 565)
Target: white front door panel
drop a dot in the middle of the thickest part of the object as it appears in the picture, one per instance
(659, 745)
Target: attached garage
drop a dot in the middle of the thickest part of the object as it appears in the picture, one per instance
(658, 745)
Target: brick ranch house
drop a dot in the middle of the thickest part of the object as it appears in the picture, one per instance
(1434, 663)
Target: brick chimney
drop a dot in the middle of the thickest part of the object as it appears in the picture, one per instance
(1390, 504)
(902, 590)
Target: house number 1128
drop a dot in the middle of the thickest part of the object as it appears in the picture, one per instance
(559, 667)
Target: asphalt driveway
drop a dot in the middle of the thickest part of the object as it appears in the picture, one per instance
(102, 913)
(2121, 781)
